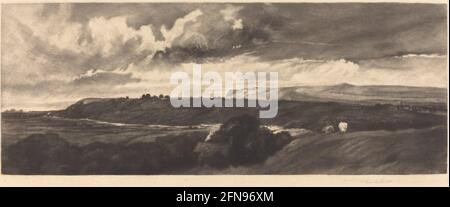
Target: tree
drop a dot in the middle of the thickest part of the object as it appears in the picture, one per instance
(146, 96)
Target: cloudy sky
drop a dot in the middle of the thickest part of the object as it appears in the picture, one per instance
(55, 54)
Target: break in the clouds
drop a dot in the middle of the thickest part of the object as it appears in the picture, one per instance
(58, 53)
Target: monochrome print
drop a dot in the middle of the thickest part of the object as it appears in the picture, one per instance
(223, 88)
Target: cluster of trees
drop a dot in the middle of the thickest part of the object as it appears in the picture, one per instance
(13, 111)
(148, 96)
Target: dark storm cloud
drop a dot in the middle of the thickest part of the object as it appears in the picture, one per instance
(327, 31)
(273, 31)
(357, 31)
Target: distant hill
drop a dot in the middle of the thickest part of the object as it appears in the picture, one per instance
(348, 93)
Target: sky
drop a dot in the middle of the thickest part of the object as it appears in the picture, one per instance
(55, 54)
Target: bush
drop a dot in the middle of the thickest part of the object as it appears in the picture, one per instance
(239, 141)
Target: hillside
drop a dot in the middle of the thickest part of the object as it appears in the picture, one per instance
(411, 151)
(312, 115)
(238, 147)
(368, 152)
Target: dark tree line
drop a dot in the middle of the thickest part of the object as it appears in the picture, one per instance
(148, 96)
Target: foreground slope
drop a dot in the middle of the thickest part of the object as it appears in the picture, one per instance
(370, 152)
(411, 151)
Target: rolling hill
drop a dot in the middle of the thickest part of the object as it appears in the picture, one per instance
(363, 107)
